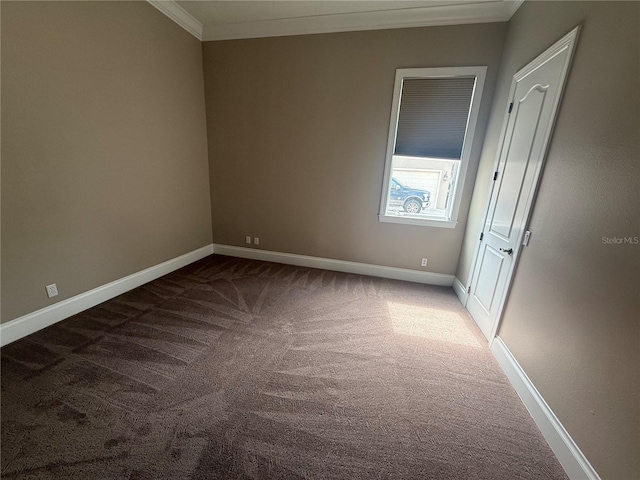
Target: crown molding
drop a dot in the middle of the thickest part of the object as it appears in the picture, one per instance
(483, 12)
(513, 6)
(179, 15)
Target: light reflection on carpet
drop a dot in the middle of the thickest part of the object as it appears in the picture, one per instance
(431, 323)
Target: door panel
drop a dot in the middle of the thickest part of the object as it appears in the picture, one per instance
(490, 267)
(515, 165)
(535, 94)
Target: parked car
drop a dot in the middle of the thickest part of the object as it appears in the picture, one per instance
(412, 200)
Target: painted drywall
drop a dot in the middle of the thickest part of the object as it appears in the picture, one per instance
(104, 155)
(297, 130)
(571, 319)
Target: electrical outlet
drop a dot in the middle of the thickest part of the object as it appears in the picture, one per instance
(247, 239)
(52, 290)
(423, 263)
(256, 241)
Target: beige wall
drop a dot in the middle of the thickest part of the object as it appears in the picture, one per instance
(573, 315)
(104, 166)
(298, 133)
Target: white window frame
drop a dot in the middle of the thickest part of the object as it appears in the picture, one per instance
(401, 74)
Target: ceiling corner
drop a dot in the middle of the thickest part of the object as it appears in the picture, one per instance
(179, 15)
(513, 6)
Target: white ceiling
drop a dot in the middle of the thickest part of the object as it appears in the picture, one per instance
(220, 20)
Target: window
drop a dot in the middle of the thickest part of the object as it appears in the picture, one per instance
(433, 118)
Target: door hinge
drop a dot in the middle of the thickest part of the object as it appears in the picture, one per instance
(510, 107)
(481, 236)
(469, 289)
(495, 176)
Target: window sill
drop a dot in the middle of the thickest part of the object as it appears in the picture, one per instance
(424, 222)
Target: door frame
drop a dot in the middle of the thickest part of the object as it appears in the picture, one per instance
(568, 42)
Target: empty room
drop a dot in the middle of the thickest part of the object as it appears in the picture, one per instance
(320, 239)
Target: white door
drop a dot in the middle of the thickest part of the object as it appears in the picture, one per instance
(535, 96)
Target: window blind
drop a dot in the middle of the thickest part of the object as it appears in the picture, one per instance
(433, 116)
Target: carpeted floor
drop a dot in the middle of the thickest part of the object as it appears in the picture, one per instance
(236, 369)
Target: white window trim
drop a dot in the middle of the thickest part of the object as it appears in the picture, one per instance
(401, 73)
(425, 222)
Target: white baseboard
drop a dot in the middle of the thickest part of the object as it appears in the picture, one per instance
(336, 265)
(569, 455)
(460, 290)
(32, 322)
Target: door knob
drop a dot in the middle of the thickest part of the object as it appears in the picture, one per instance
(508, 251)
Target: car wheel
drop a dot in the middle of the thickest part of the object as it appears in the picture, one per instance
(412, 206)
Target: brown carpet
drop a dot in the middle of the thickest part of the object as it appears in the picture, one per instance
(236, 369)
